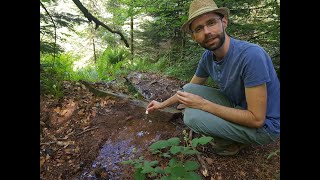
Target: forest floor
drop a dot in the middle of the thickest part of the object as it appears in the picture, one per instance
(84, 136)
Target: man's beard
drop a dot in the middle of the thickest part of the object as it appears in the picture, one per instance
(221, 38)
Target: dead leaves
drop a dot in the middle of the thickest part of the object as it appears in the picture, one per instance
(65, 143)
(209, 161)
(63, 113)
(42, 161)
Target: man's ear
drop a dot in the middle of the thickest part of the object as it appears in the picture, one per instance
(225, 22)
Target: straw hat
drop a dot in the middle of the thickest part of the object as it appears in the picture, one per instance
(199, 7)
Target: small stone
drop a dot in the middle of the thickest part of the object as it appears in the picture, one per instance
(147, 112)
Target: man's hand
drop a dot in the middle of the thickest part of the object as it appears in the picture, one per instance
(153, 106)
(191, 100)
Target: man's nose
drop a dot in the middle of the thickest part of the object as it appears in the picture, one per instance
(206, 29)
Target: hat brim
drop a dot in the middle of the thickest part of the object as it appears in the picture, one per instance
(222, 10)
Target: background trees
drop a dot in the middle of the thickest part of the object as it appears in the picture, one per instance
(152, 29)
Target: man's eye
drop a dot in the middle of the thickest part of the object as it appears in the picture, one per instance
(198, 29)
(211, 23)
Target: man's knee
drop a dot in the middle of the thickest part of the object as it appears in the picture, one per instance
(190, 87)
(190, 121)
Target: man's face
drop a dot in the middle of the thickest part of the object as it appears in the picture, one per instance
(208, 31)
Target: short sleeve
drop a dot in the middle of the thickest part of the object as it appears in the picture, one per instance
(255, 71)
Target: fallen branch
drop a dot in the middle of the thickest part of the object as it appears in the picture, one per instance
(86, 131)
(47, 143)
(136, 102)
(66, 137)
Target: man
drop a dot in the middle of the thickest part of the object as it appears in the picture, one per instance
(246, 107)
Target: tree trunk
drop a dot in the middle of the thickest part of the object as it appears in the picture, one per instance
(131, 34)
(93, 44)
(94, 51)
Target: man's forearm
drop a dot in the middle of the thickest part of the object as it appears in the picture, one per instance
(238, 116)
(172, 100)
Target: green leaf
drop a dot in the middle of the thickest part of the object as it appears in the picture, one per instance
(147, 169)
(173, 162)
(155, 151)
(202, 141)
(175, 177)
(138, 175)
(192, 176)
(159, 170)
(189, 151)
(175, 149)
(275, 153)
(159, 145)
(167, 170)
(128, 162)
(174, 141)
(178, 171)
(152, 163)
(137, 165)
(167, 155)
(191, 165)
(165, 178)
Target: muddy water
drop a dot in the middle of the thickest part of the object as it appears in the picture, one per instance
(130, 142)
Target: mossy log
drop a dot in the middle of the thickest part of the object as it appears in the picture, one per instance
(137, 102)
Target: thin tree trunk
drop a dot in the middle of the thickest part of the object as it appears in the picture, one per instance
(55, 31)
(131, 34)
(93, 34)
(94, 51)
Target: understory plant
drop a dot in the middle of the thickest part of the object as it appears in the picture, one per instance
(274, 153)
(178, 167)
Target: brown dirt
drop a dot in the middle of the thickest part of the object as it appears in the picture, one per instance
(86, 137)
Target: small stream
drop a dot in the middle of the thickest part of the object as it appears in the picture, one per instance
(128, 143)
(110, 155)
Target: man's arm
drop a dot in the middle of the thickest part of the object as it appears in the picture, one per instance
(198, 80)
(253, 116)
(173, 99)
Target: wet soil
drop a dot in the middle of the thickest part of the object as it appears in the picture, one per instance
(87, 137)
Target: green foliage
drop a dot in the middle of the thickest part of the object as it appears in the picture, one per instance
(88, 73)
(54, 72)
(115, 55)
(108, 65)
(202, 141)
(49, 47)
(274, 153)
(143, 64)
(182, 69)
(255, 21)
(49, 27)
(176, 168)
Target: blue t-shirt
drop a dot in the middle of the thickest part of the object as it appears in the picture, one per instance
(245, 65)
